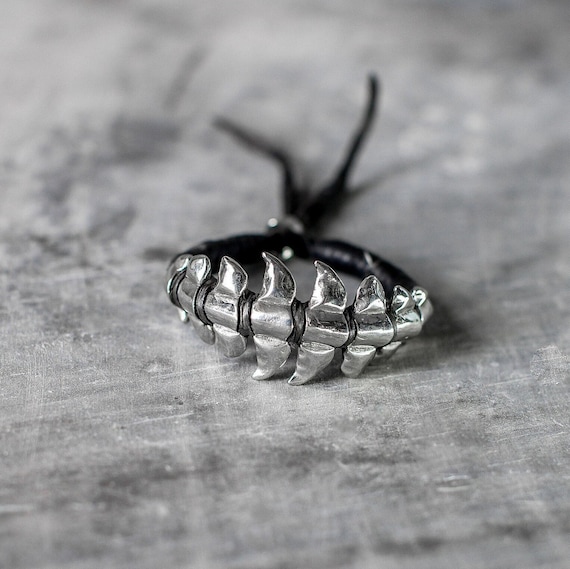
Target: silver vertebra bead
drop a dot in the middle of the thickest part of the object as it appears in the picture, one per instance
(407, 317)
(272, 317)
(374, 328)
(222, 307)
(198, 271)
(326, 325)
(175, 274)
(423, 302)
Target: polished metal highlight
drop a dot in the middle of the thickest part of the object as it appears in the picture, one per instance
(174, 276)
(423, 303)
(272, 318)
(326, 326)
(198, 271)
(222, 309)
(374, 328)
(407, 317)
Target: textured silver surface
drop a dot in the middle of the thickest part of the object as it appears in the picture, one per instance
(374, 328)
(271, 317)
(268, 315)
(127, 442)
(222, 307)
(407, 317)
(326, 326)
(373, 325)
(198, 271)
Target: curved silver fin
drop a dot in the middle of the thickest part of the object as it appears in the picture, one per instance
(183, 315)
(370, 297)
(232, 344)
(373, 326)
(174, 276)
(325, 320)
(389, 350)
(232, 278)
(407, 319)
(271, 312)
(356, 358)
(326, 325)
(198, 270)
(272, 317)
(278, 283)
(402, 300)
(272, 354)
(205, 331)
(329, 292)
(222, 307)
(312, 358)
(423, 303)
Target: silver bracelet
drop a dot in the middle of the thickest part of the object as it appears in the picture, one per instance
(209, 286)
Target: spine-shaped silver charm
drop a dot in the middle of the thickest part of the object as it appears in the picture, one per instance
(326, 325)
(407, 317)
(272, 318)
(374, 328)
(198, 271)
(221, 309)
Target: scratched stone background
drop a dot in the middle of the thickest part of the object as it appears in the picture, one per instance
(125, 442)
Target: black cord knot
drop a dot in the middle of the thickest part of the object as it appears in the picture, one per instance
(304, 210)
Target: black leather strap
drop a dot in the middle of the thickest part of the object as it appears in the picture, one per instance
(308, 209)
(341, 256)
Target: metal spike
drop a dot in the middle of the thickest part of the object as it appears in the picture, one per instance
(232, 344)
(389, 350)
(222, 307)
(356, 358)
(402, 300)
(423, 303)
(205, 331)
(232, 278)
(278, 282)
(198, 270)
(325, 319)
(326, 326)
(183, 315)
(222, 303)
(272, 354)
(271, 310)
(312, 358)
(370, 297)
(407, 319)
(373, 326)
(329, 292)
(272, 318)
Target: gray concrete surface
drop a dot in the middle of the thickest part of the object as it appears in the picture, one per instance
(125, 442)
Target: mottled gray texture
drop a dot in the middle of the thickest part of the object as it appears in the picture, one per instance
(125, 442)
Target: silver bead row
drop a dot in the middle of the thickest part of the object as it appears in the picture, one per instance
(223, 310)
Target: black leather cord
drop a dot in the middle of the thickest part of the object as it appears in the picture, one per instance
(313, 209)
(341, 256)
(308, 209)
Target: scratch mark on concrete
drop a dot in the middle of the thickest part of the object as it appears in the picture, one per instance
(181, 80)
(550, 366)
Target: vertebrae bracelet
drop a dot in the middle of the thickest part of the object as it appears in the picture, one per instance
(210, 288)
